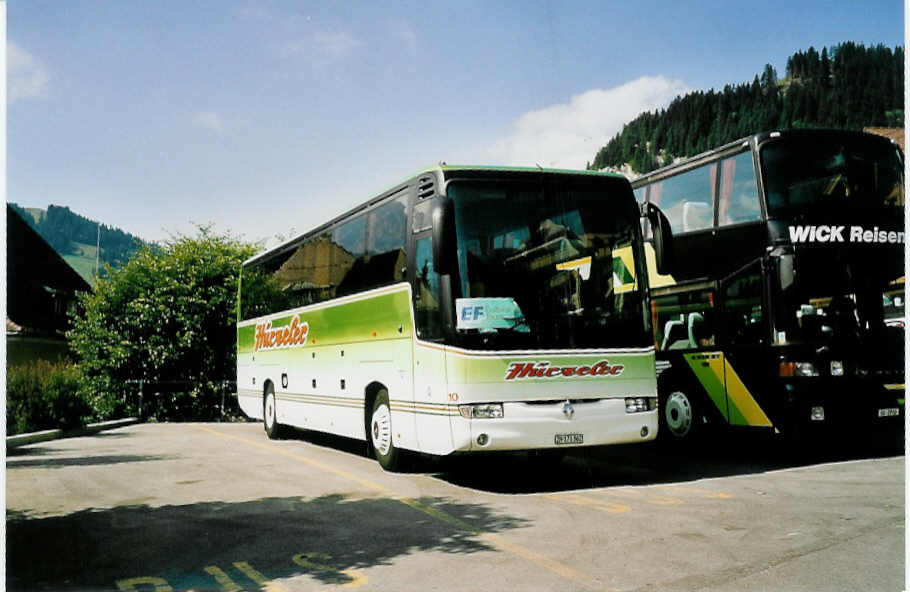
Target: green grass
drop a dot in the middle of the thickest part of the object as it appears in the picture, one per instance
(84, 262)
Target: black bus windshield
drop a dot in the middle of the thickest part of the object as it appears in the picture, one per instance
(548, 265)
(803, 173)
(845, 304)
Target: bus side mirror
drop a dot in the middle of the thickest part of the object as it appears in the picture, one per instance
(664, 250)
(444, 238)
(786, 274)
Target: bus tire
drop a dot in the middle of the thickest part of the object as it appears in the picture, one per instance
(381, 433)
(270, 414)
(680, 416)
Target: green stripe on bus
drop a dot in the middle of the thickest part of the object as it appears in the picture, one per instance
(708, 368)
(384, 315)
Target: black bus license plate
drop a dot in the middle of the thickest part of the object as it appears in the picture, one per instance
(889, 412)
(562, 439)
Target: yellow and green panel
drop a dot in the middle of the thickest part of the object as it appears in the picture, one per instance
(726, 389)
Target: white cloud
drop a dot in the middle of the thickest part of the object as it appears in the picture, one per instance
(569, 135)
(209, 120)
(27, 77)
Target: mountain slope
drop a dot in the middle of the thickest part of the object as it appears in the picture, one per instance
(75, 238)
(849, 87)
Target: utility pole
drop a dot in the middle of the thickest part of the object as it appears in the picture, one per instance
(97, 250)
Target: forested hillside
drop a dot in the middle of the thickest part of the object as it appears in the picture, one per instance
(75, 237)
(849, 86)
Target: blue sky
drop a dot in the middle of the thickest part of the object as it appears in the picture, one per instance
(268, 117)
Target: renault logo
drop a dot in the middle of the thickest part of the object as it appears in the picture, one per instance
(568, 410)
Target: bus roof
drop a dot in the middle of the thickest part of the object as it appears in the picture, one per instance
(442, 169)
(754, 140)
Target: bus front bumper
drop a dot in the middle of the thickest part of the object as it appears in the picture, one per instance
(555, 424)
(845, 405)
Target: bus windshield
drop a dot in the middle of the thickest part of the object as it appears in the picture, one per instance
(843, 305)
(851, 172)
(547, 265)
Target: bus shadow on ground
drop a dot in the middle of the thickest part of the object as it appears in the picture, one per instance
(239, 546)
(655, 463)
(723, 453)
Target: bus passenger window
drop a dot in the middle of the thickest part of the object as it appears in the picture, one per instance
(387, 235)
(687, 199)
(738, 191)
(348, 256)
(426, 291)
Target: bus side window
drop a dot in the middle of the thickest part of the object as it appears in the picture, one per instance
(738, 191)
(387, 236)
(687, 199)
(426, 291)
(348, 256)
(743, 317)
(684, 320)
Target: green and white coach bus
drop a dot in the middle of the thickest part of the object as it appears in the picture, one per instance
(465, 309)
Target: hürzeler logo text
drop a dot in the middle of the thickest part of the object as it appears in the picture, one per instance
(839, 234)
(280, 337)
(545, 370)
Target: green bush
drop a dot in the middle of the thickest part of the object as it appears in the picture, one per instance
(42, 395)
(167, 318)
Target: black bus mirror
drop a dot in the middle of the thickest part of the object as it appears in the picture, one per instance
(664, 251)
(444, 237)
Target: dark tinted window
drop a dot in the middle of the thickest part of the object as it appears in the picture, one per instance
(803, 173)
(363, 253)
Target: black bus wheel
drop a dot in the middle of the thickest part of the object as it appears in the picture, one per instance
(381, 432)
(270, 414)
(678, 416)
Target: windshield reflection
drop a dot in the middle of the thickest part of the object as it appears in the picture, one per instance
(847, 310)
(547, 266)
(803, 173)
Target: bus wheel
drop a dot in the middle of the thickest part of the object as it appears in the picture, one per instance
(270, 414)
(678, 415)
(381, 432)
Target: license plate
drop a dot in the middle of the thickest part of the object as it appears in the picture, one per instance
(889, 412)
(562, 439)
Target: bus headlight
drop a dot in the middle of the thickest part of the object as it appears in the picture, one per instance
(640, 404)
(481, 411)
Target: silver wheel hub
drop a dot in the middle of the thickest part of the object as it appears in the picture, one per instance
(678, 414)
(381, 429)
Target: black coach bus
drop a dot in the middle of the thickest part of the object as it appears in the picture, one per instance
(785, 307)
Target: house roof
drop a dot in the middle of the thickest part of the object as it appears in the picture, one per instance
(38, 279)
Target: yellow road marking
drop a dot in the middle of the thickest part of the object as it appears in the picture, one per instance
(580, 500)
(657, 500)
(132, 584)
(702, 492)
(267, 585)
(224, 580)
(493, 540)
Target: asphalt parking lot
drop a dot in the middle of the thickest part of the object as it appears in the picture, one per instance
(220, 507)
